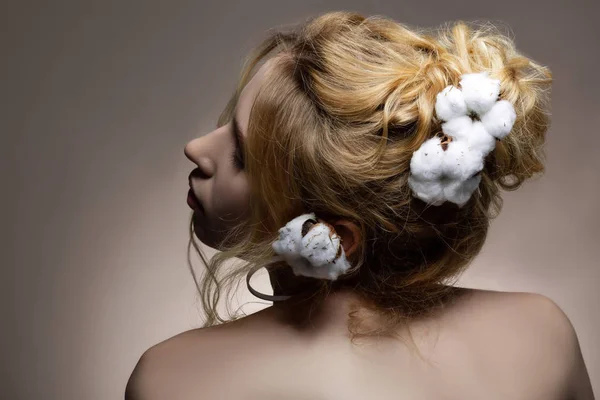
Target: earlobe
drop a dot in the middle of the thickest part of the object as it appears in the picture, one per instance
(350, 235)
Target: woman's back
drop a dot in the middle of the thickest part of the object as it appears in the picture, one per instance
(366, 159)
(486, 345)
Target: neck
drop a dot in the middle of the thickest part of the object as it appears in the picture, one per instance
(332, 312)
(284, 282)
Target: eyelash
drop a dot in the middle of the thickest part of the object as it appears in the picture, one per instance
(236, 160)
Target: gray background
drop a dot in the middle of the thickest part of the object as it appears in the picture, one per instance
(98, 101)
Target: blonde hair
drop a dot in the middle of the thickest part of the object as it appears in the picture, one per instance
(332, 131)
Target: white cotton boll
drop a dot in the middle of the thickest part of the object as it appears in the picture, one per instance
(302, 267)
(339, 266)
(286, 245)
(314, 254)
(289, 243)
(426, 162)
(460, 162)
(480, 140)
(459, 192)
(318, 247)
(480, 91)
(430, 191)
(458, 128)
(330, 271)
(499, 120)
(450, 103)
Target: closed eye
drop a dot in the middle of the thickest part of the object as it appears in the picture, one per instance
(237, 156)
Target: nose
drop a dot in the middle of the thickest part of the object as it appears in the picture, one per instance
(194, 152)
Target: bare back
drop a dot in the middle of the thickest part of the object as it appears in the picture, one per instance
(487, 345)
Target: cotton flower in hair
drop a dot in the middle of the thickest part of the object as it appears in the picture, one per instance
(311, 248)
(438, 175)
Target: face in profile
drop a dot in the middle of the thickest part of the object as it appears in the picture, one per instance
(219, 191)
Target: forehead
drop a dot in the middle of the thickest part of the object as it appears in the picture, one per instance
(248, 94)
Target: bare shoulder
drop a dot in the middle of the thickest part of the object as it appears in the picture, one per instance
(517, 340)
(158, 372)
(163, 370)
(529, 337)
(193, 362)
(534, 318)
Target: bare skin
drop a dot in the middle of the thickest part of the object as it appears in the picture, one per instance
(486, 345)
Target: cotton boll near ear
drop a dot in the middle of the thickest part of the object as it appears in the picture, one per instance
(459, 192)
(302, 267)
(289, 243)
(458, 128)
(318, 246)
(426, 162)
(480, 140)
(460, 162)
(499, 120)
(480, 91)
(450, 103)
(341, 266)
(430, 191)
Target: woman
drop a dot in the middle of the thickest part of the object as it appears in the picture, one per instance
(334, 133)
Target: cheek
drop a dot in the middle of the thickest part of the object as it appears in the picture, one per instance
(228, 205)
(231, 198)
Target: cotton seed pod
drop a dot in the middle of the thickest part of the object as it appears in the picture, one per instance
(480, 91)
(459, 191)
(289, 243)
(480, 140)
(426, 162)
(499, 120)
(430, 191)
(460, 162)
(312, 248)
(458, 128)
(321, 244)
(450, 103)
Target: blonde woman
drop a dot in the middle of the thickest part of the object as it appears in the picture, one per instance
(326, 120)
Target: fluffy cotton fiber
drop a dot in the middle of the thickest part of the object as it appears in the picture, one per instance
(499, 120)
(430, 191)
(459, 192)
(461, 163)
(452, 175)
(450, 103)
(426, 162)
(480, 91)
(290, 237)
(480, 140)
(312, 255)
(459, 127)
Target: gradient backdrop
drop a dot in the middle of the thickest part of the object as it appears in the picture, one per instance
(99, 99)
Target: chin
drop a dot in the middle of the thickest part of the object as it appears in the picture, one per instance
(207, 237)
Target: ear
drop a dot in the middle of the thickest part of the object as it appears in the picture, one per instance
(349, 233)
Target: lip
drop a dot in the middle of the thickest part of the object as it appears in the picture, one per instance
(193, 201)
